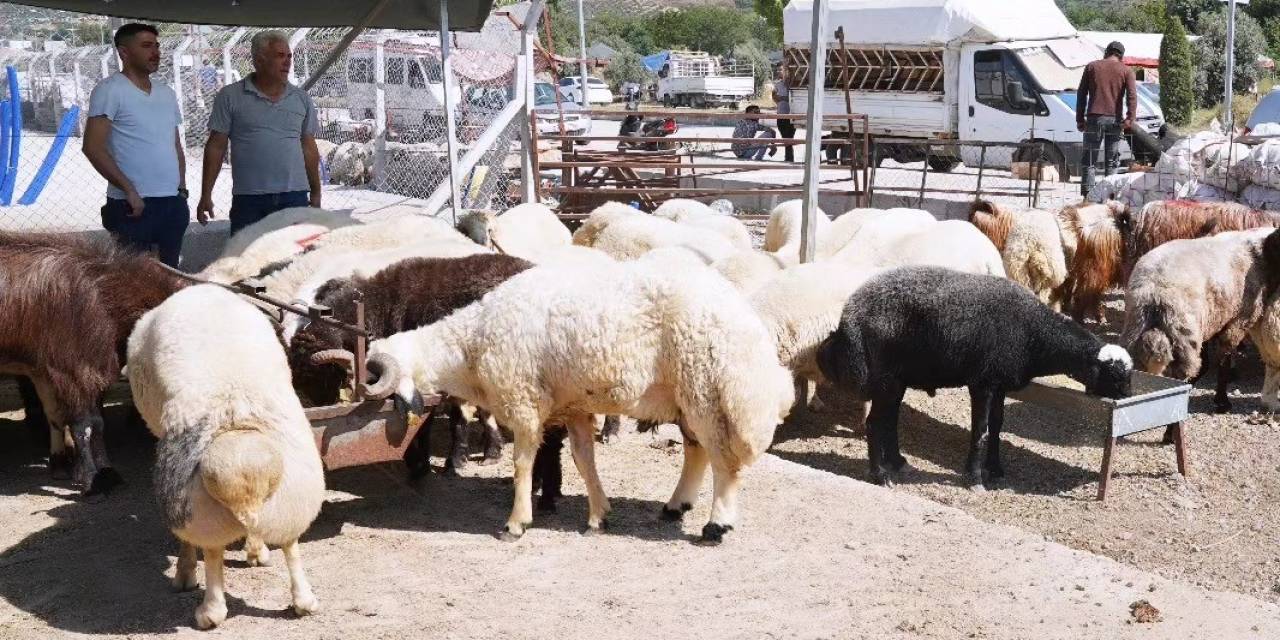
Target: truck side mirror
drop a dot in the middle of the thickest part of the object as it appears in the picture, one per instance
(1017, 97)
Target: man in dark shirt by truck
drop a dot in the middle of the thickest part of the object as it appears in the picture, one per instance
(1106, 88)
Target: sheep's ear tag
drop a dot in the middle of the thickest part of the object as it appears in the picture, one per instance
(318, 311)
(252, 285)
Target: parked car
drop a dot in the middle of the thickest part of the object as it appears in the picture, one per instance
(544, 105)
(597, 91)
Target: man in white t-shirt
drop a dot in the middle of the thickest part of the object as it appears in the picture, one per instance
(132, 139)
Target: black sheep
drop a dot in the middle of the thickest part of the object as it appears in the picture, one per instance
(406, 295)
(931, 328)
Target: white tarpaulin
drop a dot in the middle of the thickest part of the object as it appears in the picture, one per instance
(930, 22)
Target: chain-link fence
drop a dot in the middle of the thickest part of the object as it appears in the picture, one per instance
(380, 105)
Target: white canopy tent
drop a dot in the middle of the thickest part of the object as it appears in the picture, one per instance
(931, 22)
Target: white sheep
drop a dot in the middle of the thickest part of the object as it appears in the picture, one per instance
(801, 306)
(696, 214)
(273, 247)
(275, 238)
(291, 216)
(523, 231)
(872, 227)
(750, 270)
(627, 237)
(236, 456)
(599, 218)
(558, 344)
(782, 233)
(954, 244)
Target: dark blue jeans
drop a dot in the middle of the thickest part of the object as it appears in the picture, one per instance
(160, 227)
(248, 209)
(1104, 131)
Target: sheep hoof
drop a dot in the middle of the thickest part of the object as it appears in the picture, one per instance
(209, 615)
(884, 478)
(306, 604)
(491, 458)
(507, 535)
(457, 461)
(104, 481)
(60, 466)
(546, 504)
(676, 515)
(713, 533)
(898, 463)
(185, 583)
(596, 530)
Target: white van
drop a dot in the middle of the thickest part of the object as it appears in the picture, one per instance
(965, 70)
(413, 87)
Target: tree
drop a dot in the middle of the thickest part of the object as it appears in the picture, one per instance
(626, 67)
(751, 52)
(771, 11)
(1212, 59)
(1190, 12)
(1177, 95)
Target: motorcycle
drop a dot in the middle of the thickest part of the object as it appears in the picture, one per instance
(636, 126)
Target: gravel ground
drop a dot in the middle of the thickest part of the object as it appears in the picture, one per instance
(816, 555)
(1218, 528)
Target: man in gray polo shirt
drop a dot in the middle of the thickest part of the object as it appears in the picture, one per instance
(271, 126)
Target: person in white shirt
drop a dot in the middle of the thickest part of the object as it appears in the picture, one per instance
(132, 139)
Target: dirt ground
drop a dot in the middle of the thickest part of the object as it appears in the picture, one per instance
(819, 553)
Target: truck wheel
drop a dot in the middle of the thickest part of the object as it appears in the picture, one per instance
(666, 101)
(699, 102)
(943, 164)
(1046, 153)
(735, 105)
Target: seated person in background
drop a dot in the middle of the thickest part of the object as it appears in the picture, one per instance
(752, 128)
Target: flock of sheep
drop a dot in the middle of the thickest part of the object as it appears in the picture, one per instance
(670, 317)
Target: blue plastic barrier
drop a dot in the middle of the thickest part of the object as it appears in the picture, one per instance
(69, 120)
(15, 137)
(4, 138)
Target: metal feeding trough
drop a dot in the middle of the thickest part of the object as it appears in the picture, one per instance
(1156, 402)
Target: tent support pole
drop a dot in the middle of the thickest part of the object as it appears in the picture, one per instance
(813, 130)
(450, 117)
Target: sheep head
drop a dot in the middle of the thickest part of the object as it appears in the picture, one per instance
(1110, 372)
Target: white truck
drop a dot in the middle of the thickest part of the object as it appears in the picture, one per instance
(698, 79)
(954, 70)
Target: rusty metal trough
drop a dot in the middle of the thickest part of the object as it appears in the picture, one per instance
(364, 431)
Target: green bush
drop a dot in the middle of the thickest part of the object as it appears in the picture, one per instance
(1177, 94)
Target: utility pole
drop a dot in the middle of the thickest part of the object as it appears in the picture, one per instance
(1228, 117)
(582, 54)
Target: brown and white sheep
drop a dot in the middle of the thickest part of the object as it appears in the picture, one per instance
(1093, 246)
(1163, 221)
(1030, 244)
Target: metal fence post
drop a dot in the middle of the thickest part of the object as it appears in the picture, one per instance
(380, 110)
(450, 119)
(178, 52)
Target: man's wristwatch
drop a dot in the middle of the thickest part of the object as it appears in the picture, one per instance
(182, 191)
